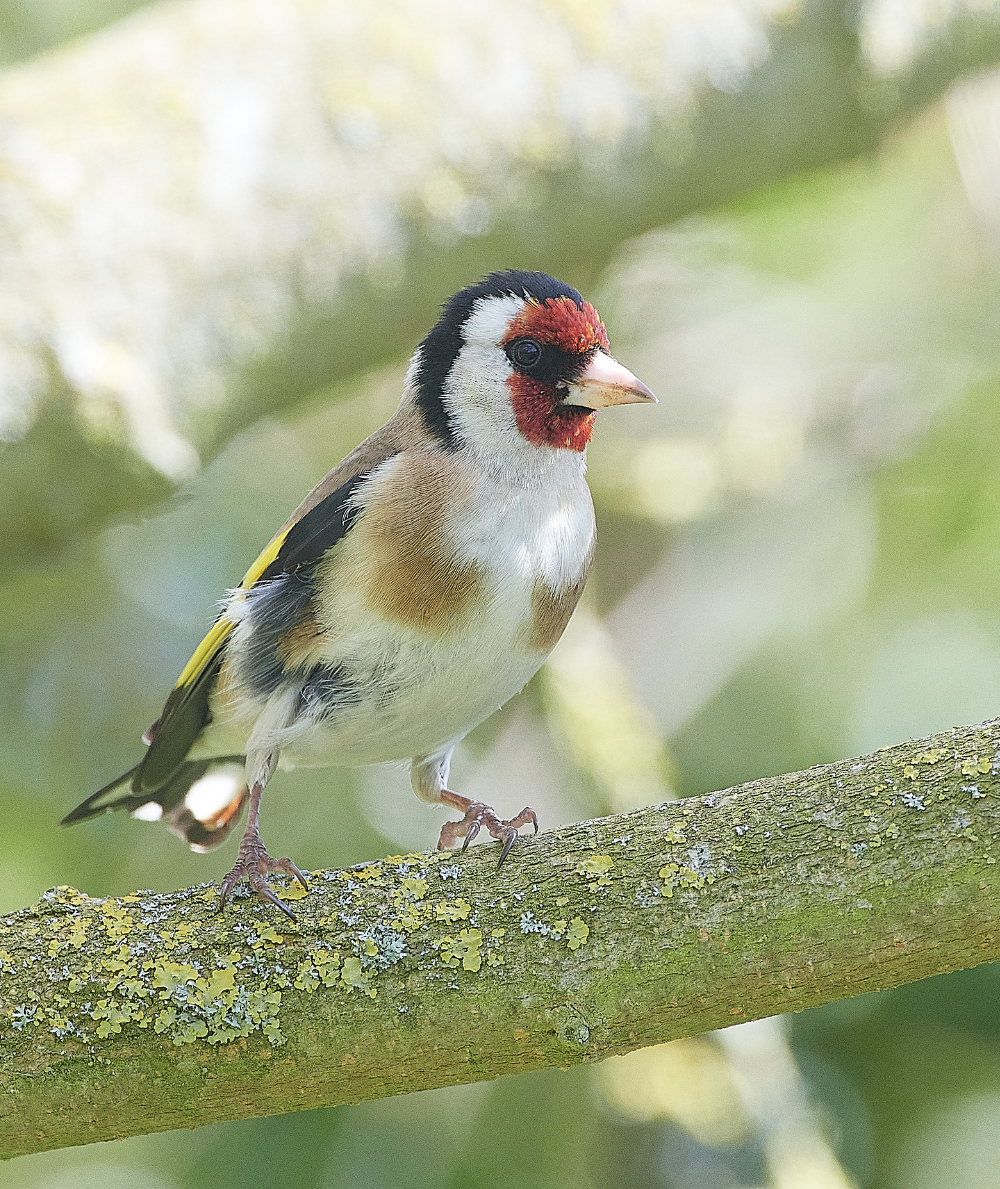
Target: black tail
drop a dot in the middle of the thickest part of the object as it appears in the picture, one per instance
(201, 816)
(104, 799)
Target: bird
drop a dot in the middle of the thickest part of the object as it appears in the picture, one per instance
(415, 589)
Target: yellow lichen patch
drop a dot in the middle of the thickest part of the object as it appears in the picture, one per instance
(422, 858)
(577, 933)
(217, 984)
(598, 865)
(169, 975)
(112, 1016)
(65, 894)
(354, 976)
(306, 978)
(322, 966)
(327, 965)
(414, 917)
(117, 921)
(675, 836)
(976, 767)
(595, 865)
(417, 888)
(78, 981)
(294, 891)
(675, 875)
(78, 933)
(453, 910)
(464, 949)
(368, 871)
(932, 756)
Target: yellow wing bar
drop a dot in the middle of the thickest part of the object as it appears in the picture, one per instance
(269, 553)
(212, 642)
(204, 652)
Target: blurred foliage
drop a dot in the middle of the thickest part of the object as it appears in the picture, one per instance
(97, 478)
(29, 26)
(797, 562)
(213, 209)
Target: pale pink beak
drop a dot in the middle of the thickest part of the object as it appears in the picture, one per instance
(606, 382)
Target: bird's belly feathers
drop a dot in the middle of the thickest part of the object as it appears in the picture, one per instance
(391, 692)
(417, 636)
(423, 698)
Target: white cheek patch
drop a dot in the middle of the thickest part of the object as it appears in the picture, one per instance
(476, 391)
(489, 320)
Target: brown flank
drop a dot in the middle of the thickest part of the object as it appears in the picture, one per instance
(295, 645)
(551, 611)
(415, 577)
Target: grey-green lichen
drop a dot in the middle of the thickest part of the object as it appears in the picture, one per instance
(424, 970)
(173, 964)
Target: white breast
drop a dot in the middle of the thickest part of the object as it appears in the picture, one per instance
(428, 688)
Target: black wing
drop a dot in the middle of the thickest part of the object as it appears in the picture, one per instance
(293, 553)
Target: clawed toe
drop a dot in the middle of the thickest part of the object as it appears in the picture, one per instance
(473, 829)
(289, 866)
(477, 815)
(266, 893)
(252, 865)
(510, 829)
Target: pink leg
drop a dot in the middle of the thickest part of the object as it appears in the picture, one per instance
(253, 862)
(477, 815)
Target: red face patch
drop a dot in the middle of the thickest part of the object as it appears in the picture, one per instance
(578, 330)
(544, 420)
(561, 322)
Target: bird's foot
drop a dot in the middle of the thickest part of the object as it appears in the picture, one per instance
(478, 815)
(252, 864)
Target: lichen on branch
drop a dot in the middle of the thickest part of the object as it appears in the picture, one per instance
(140, 1013)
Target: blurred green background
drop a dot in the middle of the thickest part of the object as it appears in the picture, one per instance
(798, 561)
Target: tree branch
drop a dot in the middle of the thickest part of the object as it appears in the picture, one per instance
(212, 211)
(149, 1012)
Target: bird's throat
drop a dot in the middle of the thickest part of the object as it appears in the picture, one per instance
(543, 420)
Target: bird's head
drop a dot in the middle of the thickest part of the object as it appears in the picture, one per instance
(519, 361)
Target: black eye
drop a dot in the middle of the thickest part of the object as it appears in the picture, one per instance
(525, 352)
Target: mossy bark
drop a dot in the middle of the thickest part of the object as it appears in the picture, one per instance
(150, 1012)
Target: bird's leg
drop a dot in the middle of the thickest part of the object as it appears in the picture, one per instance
(477, 815)
(429, 777)
(253, 862)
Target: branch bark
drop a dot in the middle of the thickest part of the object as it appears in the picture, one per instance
(149, 1012)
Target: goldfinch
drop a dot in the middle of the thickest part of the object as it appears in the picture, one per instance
(412, 592)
